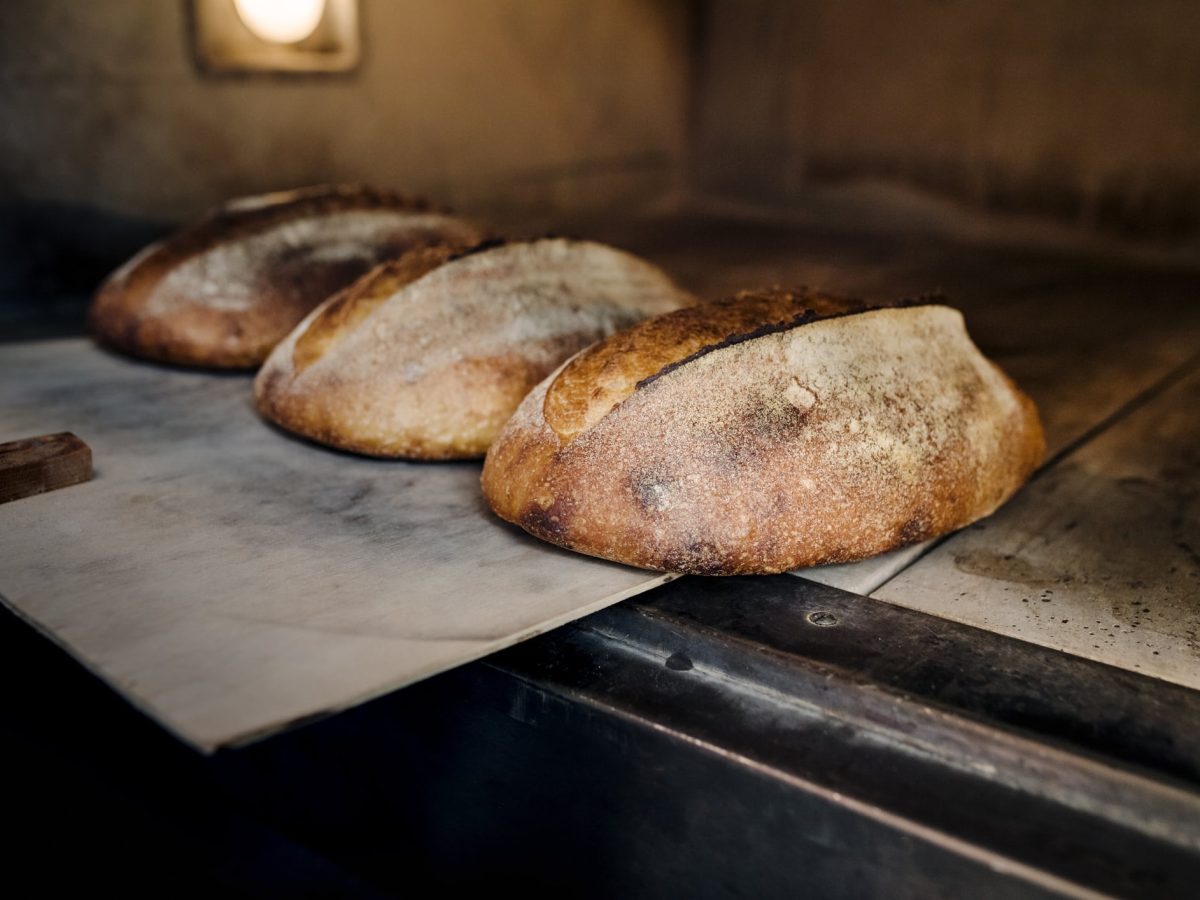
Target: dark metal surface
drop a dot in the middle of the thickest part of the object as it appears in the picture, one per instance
(1072, 702)
(715, 738)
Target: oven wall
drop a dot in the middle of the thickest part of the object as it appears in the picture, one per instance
(497, 104)
(1087, 112)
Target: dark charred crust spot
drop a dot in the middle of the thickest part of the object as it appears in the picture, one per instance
(549, 523)
(651, 490)
(933, 298)
(559, 236)
(914, 530)
(696, 558)
(493, 242)
(855, 307)
(482, 247)
(769, 425)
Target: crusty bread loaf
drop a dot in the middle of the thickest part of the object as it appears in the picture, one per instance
(765, 433)
(427, 356)
(223, 291)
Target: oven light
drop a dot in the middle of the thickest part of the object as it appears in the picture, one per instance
(282, 36)
(281, 21)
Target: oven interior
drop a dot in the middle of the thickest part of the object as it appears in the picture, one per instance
(1034, 163)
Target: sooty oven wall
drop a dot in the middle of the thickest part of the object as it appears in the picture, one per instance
(1086, 113)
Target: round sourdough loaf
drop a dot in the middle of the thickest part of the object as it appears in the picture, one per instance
(225, 290)
(769, 432)
(428, 355)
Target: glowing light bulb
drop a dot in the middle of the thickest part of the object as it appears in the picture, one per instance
(281, 21)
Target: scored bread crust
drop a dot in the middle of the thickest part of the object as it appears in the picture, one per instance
(223, 291)
(773, 431)
(427, 356)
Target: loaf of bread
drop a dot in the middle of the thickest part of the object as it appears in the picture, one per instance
(428, 356)
(225, 290)
(769, 432)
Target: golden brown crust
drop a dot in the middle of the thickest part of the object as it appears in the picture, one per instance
(224, 290)
(855, 431)
(426, 357)
(343, 312)
(606, 373)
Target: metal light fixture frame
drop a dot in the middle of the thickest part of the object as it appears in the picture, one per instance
(223, 44)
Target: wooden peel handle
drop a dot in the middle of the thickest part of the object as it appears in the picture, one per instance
(44, 463)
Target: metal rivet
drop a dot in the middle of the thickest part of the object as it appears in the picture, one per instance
(822, 619)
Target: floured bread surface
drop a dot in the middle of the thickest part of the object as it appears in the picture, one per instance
(225, 290)
(427, 356)
(812, 430)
